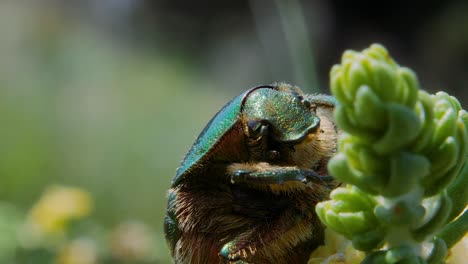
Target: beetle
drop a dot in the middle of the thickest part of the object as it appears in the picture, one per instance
(246, 190)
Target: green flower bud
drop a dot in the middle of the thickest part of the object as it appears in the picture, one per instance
(398, 146)
(359, 201)
(377, 97)
(347, 122)
(373, 67)
(449, 143)
(349, 212)
(339, 167)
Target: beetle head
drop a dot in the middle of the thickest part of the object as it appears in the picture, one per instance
(278, 119)
(289, 116)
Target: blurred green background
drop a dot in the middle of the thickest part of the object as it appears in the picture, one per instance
(108, 95)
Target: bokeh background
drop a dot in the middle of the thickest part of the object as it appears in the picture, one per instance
(100, 100)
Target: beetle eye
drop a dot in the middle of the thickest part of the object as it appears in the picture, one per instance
(254, 125)
(257, 128)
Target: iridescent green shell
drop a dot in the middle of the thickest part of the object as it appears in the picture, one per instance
(289, 117)
(222, 122)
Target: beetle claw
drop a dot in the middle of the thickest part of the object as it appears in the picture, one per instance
(240, 173)
(327, 178)
(313, 176)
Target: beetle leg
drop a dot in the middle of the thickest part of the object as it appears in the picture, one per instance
(264, 173)
(236, 250)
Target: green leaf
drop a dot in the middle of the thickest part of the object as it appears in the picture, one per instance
(436, 221)
(457, 192)
(453, 232)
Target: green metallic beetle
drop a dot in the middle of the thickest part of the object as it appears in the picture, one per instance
(246, 190)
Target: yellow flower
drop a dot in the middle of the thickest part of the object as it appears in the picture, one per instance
(57, 206)
(459, 253)
(339, 250)
(336, 250)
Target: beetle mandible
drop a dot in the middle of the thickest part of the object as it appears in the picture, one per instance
(246, 190)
